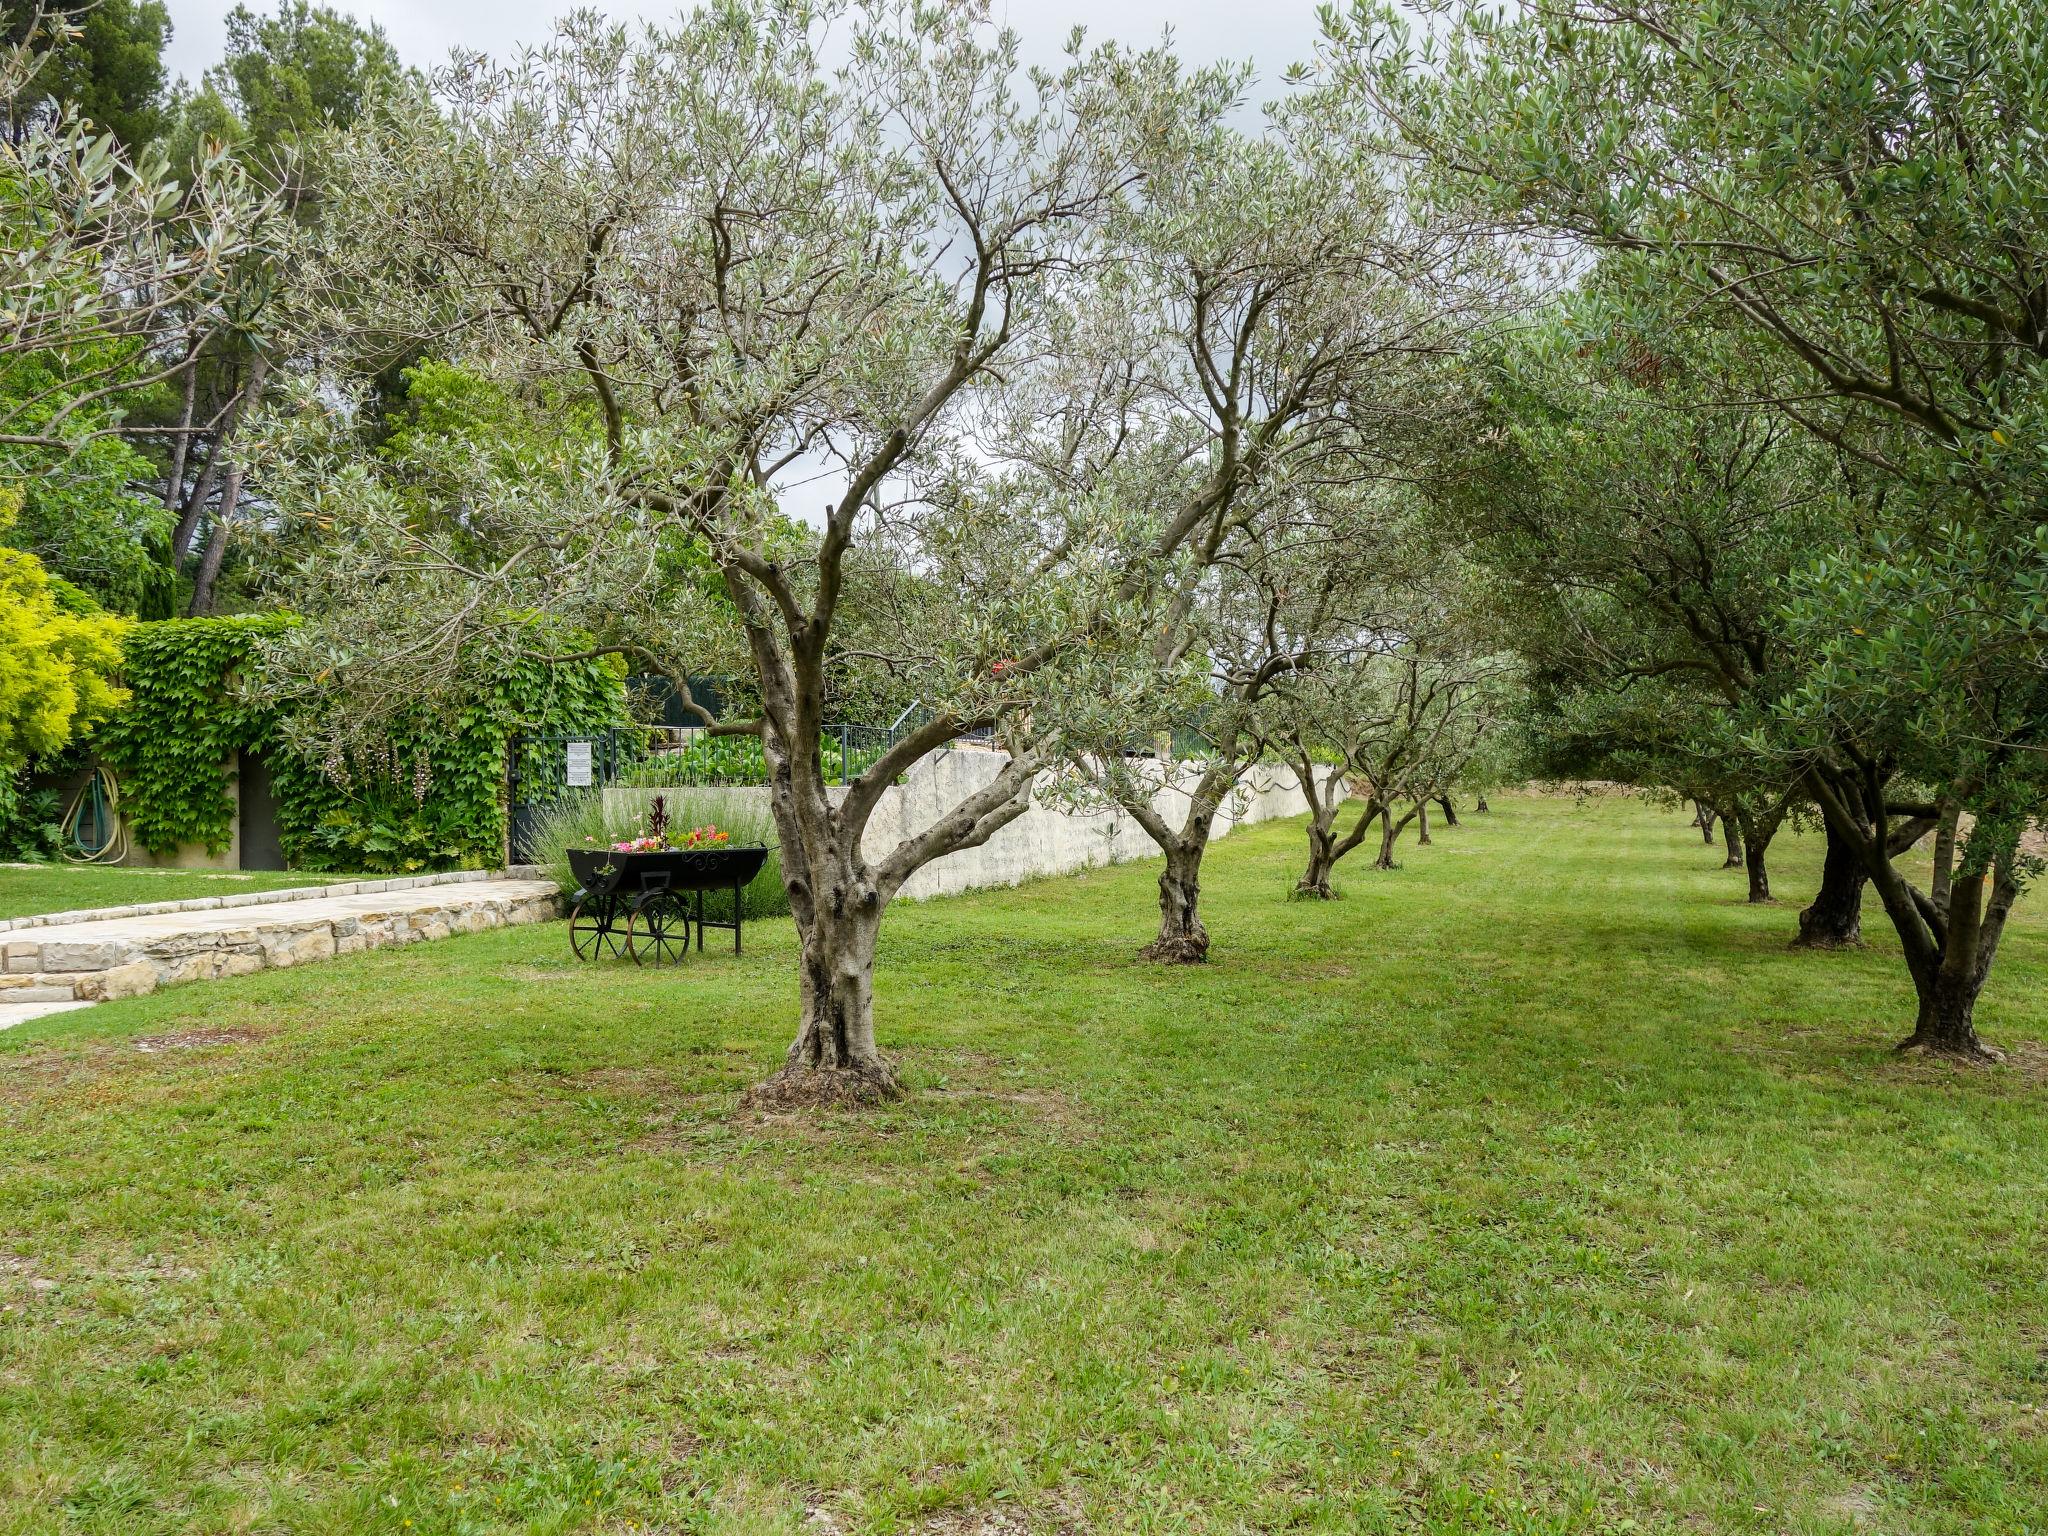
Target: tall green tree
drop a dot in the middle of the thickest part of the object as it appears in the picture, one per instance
(114, 264)
(1639, 542)
(103, 61)
(286, 82)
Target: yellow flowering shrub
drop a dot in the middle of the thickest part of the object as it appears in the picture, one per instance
(59, 655)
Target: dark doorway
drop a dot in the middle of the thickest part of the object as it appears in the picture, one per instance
(260, 849)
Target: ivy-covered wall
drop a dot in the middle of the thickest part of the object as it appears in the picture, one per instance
(426, 798)
(169, 745)
(430, 797)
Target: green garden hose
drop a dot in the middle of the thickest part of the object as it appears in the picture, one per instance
(92, 822)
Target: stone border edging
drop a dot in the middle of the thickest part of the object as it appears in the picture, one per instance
(257, 898)
(55, 964)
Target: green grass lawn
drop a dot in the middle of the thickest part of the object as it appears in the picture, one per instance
(26, 889)
(1534, 1187)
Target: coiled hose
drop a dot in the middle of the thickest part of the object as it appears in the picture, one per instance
(92, 828)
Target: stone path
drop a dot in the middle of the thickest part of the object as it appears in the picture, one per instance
(70, 964)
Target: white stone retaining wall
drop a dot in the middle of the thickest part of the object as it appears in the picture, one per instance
(1043, 841)
(252, 898)
(90, 961)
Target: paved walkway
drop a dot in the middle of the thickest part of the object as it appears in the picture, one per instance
(62, 965)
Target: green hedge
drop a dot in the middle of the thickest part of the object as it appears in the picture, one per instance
(713, 760)
(428, 798)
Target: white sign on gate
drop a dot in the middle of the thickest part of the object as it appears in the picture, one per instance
(578, 765)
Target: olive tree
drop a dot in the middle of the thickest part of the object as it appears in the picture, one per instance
(1281, 595)
(1310, 316)
(1400, 722)
(1638, 544)
(762, 270)
(1850, 195)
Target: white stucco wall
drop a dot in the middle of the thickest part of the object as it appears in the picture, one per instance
(1043, 841)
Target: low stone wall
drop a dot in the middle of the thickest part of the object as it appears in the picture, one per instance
(255, 898)
(90, 961)
(1043, 841)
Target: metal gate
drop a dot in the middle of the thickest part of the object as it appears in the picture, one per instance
(542, 769)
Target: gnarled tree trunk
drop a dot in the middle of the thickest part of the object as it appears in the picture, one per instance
(1949, 937)
(1948, 979)
(1450, 810)
(1390, 834)
(837, 904)
(1835, 918)
(1422, 824)
(1324, 800)
(837, 897)
(1758, 829)
(1325, 847)
(1945, 1024)
(1480, 805)
(1731, 836)
(836, 1024)
(1182, 938)
(1322, 863)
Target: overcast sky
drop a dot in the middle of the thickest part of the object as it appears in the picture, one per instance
(1273, 33)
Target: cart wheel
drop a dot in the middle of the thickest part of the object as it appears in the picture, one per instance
(594, 931)
(658, 931)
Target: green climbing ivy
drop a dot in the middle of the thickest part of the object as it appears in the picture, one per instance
(428, 797)
(171, 743)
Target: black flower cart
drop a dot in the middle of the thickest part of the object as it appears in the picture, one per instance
(635, 904)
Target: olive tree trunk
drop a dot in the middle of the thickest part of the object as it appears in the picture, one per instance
(836, 1008)
(1390, 834)
(1322, 822)
(1834, 920)
(1731, 837)
(1325, 846)
(1322, 864)
(1854, 850)
(1758, 829)
(1949, 974)
(1182, 938)
(1326, 850)
(1949, 934)
(837, 895)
